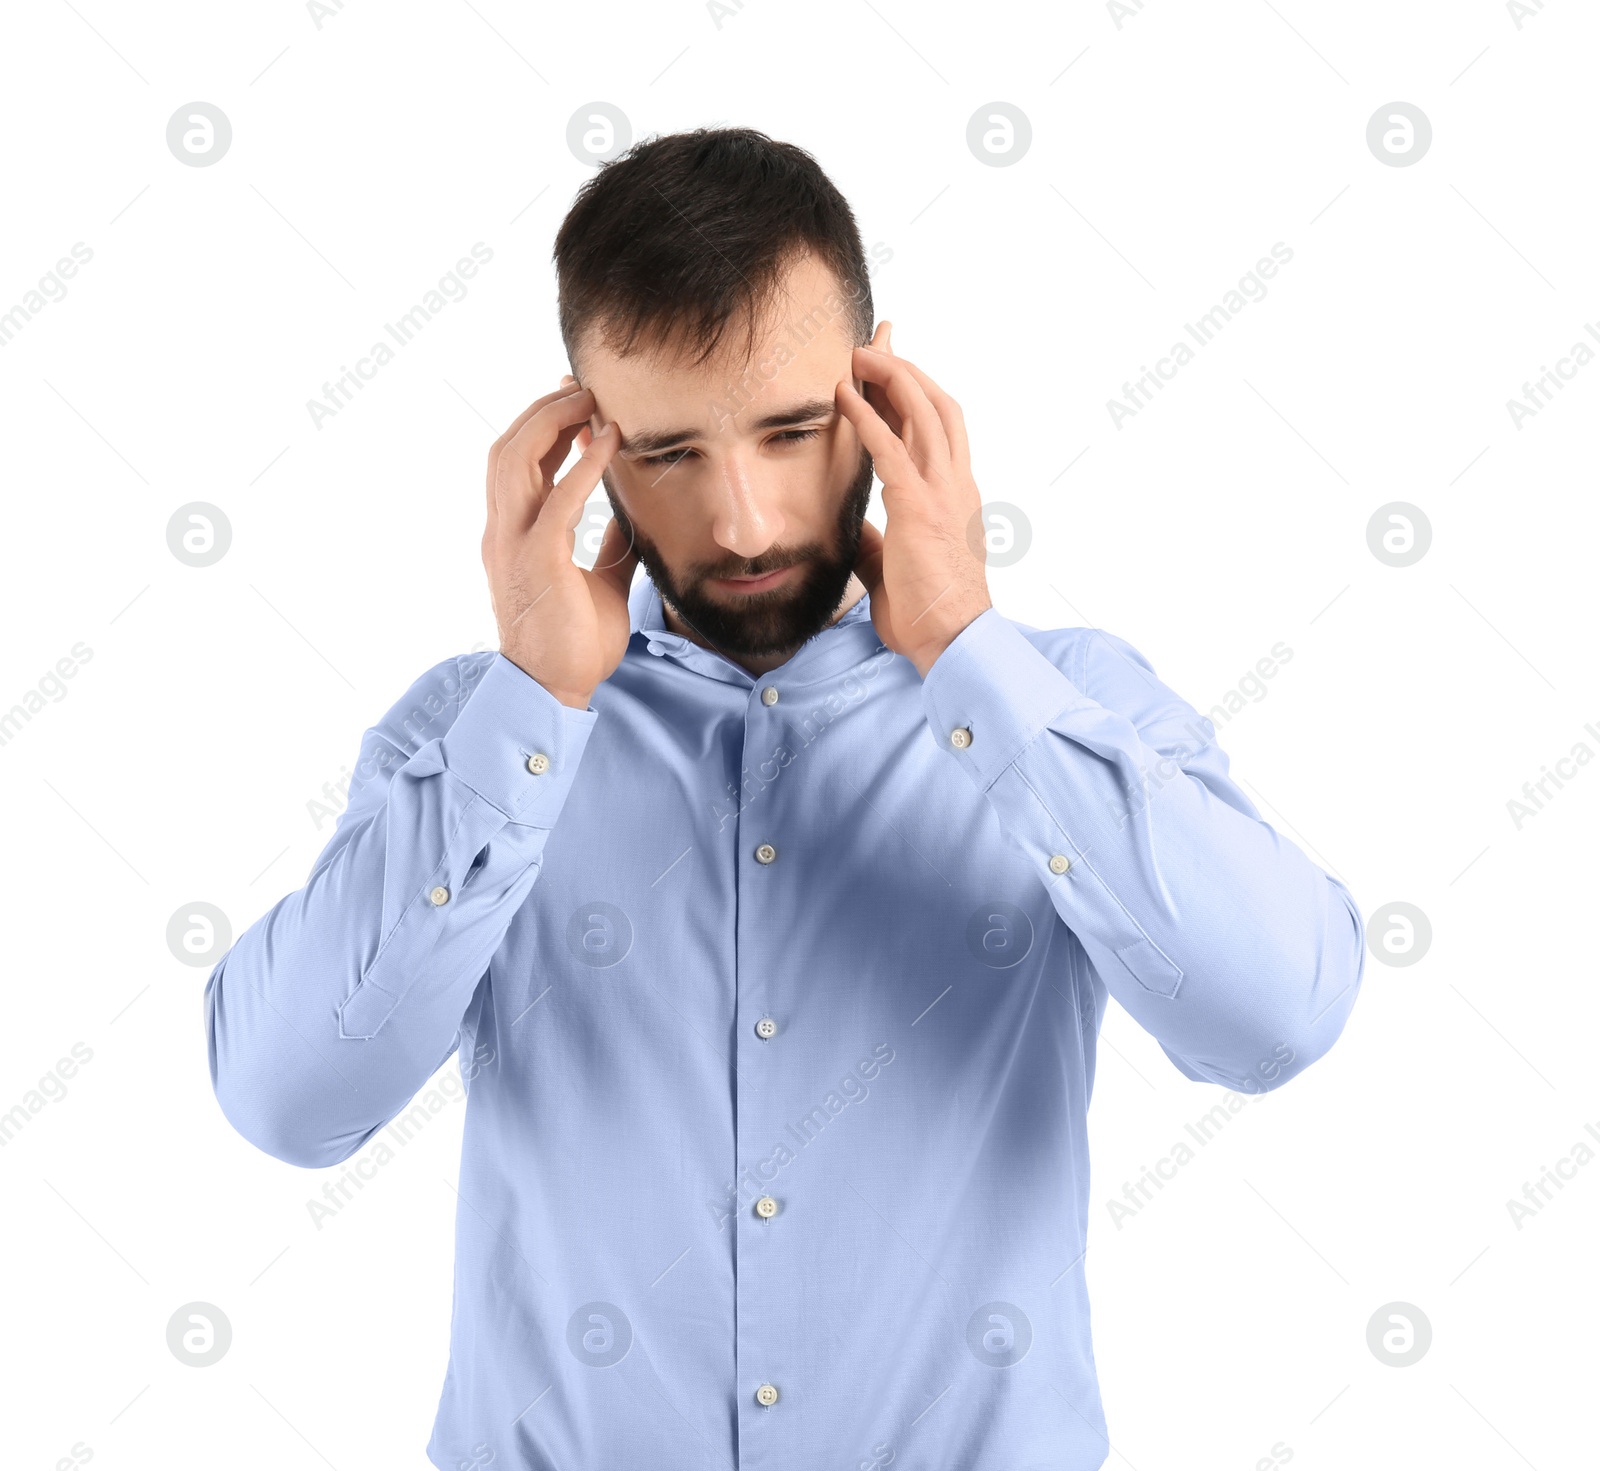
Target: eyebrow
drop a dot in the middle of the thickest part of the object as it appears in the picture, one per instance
(653, 441)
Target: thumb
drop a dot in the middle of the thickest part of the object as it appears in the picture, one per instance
(869, 558)
(618, 557)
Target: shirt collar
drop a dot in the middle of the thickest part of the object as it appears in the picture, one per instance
(845, 643)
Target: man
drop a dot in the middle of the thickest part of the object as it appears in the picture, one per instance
(772, 898)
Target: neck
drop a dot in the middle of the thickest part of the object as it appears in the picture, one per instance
(854, 591)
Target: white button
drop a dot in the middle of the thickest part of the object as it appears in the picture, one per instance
(766, 1029)
(769, 696)
(961, 737)
(767, 1394)
(766, 853)
(1060, 863)
(441, 895)
(538, 763)
(766, 1207)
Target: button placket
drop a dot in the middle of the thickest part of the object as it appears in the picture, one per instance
(763, 1210)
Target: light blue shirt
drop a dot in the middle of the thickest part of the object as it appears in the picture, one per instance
(777, 1001)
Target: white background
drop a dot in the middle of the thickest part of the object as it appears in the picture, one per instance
(1168, 155)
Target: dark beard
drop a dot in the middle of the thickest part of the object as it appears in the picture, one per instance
(781, 619)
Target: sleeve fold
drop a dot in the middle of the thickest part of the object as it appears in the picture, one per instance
(1218, 935)
(329, 1012)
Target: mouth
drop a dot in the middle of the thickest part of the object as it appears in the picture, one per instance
(755, 584)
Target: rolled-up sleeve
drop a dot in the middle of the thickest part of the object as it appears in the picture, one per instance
(1218, 935)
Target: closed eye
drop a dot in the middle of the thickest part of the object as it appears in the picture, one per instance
(674, 456)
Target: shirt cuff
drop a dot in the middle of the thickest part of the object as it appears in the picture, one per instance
(992, 683)
(508, 718)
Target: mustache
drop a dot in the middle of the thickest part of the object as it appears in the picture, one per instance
(763, 565)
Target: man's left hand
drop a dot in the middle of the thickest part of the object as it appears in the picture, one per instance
(924, 579)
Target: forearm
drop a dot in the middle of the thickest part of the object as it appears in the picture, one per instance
(331, 1010)
(1218, 935)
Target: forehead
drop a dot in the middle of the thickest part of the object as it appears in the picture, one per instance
(800, 349)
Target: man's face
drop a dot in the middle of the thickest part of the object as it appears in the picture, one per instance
(742, 466)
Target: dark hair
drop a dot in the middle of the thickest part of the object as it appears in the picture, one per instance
(682, 235)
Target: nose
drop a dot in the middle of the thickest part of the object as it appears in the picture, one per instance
(746, 519)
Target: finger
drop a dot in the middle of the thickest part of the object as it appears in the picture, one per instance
(949, 411)
(905, 394)
(509, 435)
(890, 457)
(875, 395)
(921, 428)
(885, 410)
(519, 495)
(564, 504)
(567, 388)
(550, 465)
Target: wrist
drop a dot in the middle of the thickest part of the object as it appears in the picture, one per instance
(925, 657)
(576, 699)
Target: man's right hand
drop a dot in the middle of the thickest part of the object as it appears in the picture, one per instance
(564, 626)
